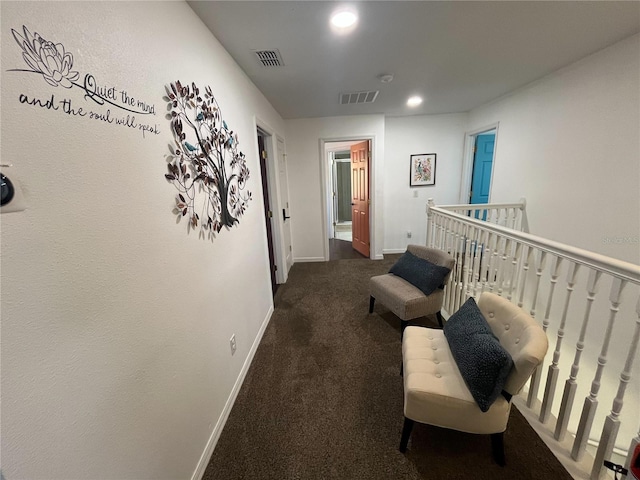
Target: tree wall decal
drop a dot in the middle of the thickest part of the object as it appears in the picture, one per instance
(205, 164)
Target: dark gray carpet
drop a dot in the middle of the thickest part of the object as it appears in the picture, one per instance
(323, 397)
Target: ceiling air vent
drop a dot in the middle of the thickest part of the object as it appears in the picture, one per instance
(358, 97)
(269, 58)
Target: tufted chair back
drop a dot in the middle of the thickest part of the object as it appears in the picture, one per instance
(519, 334)
(435, 256)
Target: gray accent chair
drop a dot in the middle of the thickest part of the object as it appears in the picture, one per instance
(435, 392)
(405, 300)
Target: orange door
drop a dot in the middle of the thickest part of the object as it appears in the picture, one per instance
(360, 196)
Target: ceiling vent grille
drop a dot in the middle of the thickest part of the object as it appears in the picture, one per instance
(269, 58)
(358, 97)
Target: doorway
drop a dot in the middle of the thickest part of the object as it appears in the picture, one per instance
(268, 212)
(478, 165)
(483, 151)
(341, 175)
(347, 201)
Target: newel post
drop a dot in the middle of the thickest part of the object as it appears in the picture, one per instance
(430, 225)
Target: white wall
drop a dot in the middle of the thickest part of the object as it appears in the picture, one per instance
(306, 188)
(570, 144)
(116, 321)
(406, 136)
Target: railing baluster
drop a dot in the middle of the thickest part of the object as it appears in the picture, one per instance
(525, 274)
(571, 385)
(552, 375)
(442, 235)
(430, 224)
(445, 247)
(591, 402)
(495, 215)
(458, 265)
(486, 264)
(451, 243)
(534, 385)
(512, 218)
(468, 259)
(477, 267)
(612, 422)
(506, 246)
(515, 260)
(493, 262)
(541, 260)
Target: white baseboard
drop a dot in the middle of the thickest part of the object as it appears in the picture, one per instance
(222, 420)
(379, 256)
(391, 251)
(308, 259)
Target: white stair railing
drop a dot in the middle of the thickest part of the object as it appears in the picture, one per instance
(493, 254)
(510, 215)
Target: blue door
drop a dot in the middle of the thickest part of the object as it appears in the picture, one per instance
(482, 163)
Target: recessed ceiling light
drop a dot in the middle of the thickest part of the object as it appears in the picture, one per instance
(344, 19)
(414, 101)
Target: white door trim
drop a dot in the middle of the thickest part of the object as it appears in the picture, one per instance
(325, 178)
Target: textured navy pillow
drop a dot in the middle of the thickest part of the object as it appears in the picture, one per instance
(419, 272)
(483, 363)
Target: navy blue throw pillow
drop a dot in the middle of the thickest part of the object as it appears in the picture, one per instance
(483, 363)
(419, 272)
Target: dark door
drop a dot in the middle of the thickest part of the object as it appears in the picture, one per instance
(268, 212)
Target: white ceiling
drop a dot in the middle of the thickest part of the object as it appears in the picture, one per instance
(456, 54)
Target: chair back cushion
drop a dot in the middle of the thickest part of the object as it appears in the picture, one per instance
(433, 255)
(519, 334)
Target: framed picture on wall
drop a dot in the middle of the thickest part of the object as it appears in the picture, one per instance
(423, 170)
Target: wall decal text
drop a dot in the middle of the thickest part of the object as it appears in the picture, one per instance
(107, 104)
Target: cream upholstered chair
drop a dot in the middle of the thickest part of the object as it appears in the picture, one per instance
(434, 390)
(404, 299)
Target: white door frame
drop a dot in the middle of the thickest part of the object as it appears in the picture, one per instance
(273, 185)
(467, 161)
(325, 175)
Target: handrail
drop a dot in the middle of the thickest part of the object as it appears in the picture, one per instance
(617, 268)
(485, 206)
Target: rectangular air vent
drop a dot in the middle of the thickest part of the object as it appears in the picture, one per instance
(358, 97)
(269, 58)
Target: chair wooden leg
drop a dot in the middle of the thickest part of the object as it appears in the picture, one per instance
(497, 447)
(371, 302)
(406, 433)
(440, 319)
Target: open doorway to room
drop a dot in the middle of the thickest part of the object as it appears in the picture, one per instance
(275, 190)
(341, 177)
(268, 210)
(348, 202)
(480, 150)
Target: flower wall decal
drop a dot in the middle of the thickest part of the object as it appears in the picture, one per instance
(46, 58)
(205, 161)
